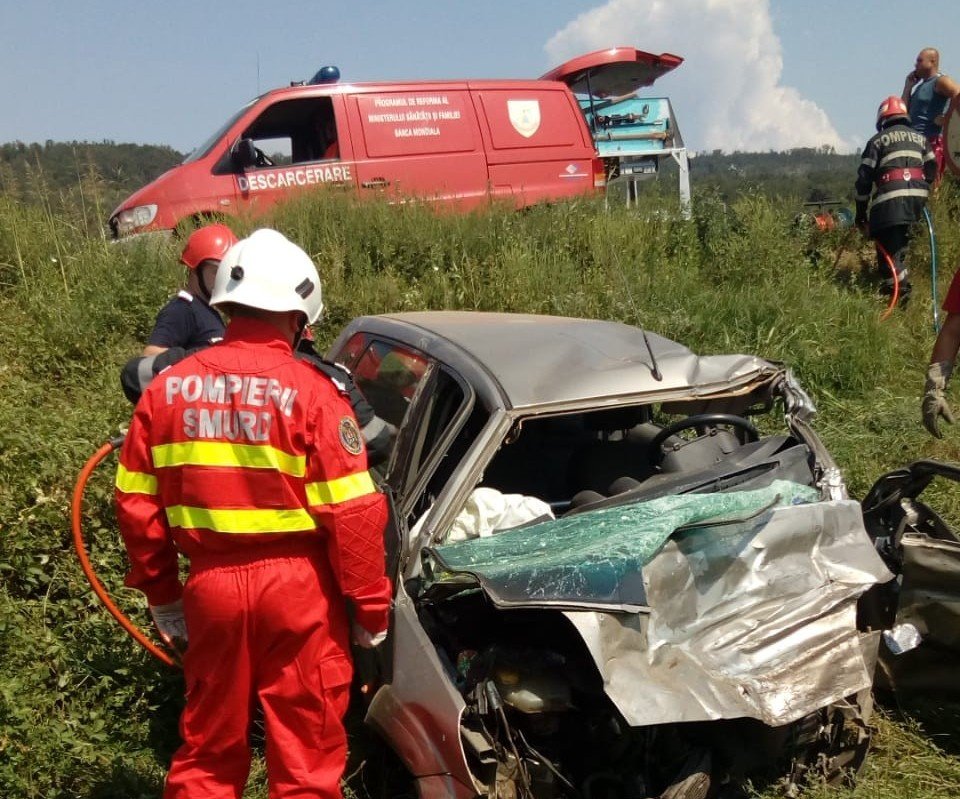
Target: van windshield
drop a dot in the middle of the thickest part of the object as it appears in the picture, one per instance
(209, 143)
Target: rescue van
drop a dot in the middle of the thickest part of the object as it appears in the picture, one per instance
(461, 143)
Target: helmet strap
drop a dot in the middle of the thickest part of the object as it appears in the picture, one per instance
(201, 283)
(301, 327)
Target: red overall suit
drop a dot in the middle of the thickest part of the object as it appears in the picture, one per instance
(249, 462)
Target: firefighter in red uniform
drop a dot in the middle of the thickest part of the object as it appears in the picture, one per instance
(249, 462)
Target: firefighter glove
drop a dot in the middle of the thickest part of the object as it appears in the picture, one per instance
(362, 637)
(171, 625)
(934, 402)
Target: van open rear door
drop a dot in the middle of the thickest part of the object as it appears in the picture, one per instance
(632, 134)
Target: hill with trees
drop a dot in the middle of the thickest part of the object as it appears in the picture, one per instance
(97, 175)
(805, 173)
(106, 172)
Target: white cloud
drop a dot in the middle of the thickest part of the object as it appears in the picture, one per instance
(727, 93)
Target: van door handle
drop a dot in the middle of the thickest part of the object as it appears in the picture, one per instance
(376, 183)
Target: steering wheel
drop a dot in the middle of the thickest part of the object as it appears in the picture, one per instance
(263, 159)
(701, 421)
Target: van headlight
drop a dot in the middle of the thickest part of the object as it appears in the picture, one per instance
(130, 219)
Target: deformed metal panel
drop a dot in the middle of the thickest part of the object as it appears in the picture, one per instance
(755, 622)
(419, 710)
(929, 601)
(930, 596)
(565, 360)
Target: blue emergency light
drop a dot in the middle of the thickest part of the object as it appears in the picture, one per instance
(328, 74)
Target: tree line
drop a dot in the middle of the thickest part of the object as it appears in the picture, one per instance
(106, 172)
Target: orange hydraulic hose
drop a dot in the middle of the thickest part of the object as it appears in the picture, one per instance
(896, 281)
(76, 510)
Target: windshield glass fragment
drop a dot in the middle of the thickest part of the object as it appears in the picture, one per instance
(597, 557)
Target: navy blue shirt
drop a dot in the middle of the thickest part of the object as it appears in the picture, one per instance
(186, 321)
(925, 105)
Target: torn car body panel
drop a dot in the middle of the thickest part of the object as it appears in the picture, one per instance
(745, 618)
(743, 626)
(920, 611)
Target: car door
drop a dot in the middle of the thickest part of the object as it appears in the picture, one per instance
(435, 411)
(413, 703)
(388, 375)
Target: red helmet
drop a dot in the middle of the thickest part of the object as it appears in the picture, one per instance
(209, 243)
(893, 106)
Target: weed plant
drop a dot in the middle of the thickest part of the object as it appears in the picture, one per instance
(84, 713)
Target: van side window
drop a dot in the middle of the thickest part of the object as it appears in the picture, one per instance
(295, 132)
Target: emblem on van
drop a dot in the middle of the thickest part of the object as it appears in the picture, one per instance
(524, 116)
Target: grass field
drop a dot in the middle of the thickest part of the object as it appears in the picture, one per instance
(83, 713)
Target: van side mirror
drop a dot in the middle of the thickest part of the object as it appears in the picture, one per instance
(244, 153)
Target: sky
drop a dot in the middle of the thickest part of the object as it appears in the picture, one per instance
(757, 75)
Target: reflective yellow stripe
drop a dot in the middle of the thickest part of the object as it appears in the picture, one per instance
(229, 520)
(135, 482)
(340, 490)
(223, 453)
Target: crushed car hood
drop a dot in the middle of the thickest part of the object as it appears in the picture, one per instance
(739, 605)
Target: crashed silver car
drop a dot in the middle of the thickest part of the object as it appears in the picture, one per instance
(622, 569)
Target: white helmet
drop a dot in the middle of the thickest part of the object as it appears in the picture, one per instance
(268, 271)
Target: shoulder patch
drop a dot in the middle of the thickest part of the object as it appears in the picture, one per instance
(350, 436)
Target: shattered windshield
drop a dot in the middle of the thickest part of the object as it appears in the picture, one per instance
(597, 557)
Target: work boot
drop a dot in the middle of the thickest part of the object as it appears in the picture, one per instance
(905, 291)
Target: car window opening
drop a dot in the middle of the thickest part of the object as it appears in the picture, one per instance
(601, 458)
(291, 132)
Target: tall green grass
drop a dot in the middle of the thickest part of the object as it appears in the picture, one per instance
(83, 713)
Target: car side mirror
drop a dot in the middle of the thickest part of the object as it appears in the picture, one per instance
(244, 153)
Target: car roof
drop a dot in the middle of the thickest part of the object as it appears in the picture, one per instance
(545, 360)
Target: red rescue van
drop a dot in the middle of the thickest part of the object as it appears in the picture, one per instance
(460, 143)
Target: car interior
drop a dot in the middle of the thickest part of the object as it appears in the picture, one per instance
(600, 458)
